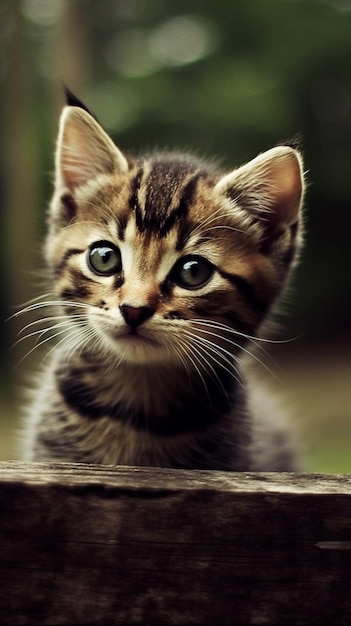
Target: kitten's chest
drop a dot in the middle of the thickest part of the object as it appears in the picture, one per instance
(121, 433)
(135, 417)
(123, 393)
(113, 442)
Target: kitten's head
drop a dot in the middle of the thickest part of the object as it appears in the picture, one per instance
(163, 258)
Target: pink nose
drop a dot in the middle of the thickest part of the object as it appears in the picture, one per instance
(135, 315)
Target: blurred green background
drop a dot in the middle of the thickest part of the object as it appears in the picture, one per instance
(222, 79)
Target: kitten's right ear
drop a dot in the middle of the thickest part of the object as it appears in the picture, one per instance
(269, 188)
(84, 151)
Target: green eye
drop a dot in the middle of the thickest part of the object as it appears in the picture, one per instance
(104, 259)
(192, 272)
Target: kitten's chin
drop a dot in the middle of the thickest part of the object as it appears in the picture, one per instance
(138, 349)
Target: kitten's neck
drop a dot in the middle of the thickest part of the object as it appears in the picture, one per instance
(156, 397)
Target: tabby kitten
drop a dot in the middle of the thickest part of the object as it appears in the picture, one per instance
(162, 269)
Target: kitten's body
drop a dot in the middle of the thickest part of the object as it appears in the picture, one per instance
(162, 268)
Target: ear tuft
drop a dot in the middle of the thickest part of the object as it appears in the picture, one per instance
(84, 150)
(73, 101)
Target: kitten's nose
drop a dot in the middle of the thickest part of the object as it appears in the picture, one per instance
(135, 315)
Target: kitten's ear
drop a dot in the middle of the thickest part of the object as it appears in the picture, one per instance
(84, 150)
(270, 187)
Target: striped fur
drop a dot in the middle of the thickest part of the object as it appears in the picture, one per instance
(162, 269)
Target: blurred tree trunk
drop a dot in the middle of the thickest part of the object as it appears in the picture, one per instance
(21, 165)
(70, 51)
(63, 52)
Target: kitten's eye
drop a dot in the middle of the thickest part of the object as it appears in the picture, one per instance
(104, 258)
(192, 272)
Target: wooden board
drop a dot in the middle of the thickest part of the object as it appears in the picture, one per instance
(88, 544)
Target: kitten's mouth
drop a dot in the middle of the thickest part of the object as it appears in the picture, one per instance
(139, 347)
(136, 338)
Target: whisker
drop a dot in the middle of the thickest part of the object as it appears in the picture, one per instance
(192, 358)
(81, 338)
(253, 338)
(209, 346)
(41, 332)
(35, 299)
(217, 215)
(242, 348)
(38, 345)
(208, 359)
(51, 303)
(75, 333)
(42, 320)
(206, 353)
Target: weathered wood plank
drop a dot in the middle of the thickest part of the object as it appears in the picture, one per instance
(90, 544)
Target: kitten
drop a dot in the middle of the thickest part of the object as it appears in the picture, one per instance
(162, 270)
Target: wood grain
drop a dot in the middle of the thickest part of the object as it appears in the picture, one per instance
(87, 544)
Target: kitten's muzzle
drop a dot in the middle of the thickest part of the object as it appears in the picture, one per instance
(135, 316)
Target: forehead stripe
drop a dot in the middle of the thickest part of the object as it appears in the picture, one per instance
(134, 197)
(162, 194)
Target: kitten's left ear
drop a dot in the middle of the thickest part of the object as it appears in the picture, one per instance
(270, 187)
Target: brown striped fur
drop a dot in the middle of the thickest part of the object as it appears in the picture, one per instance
(148, 368)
